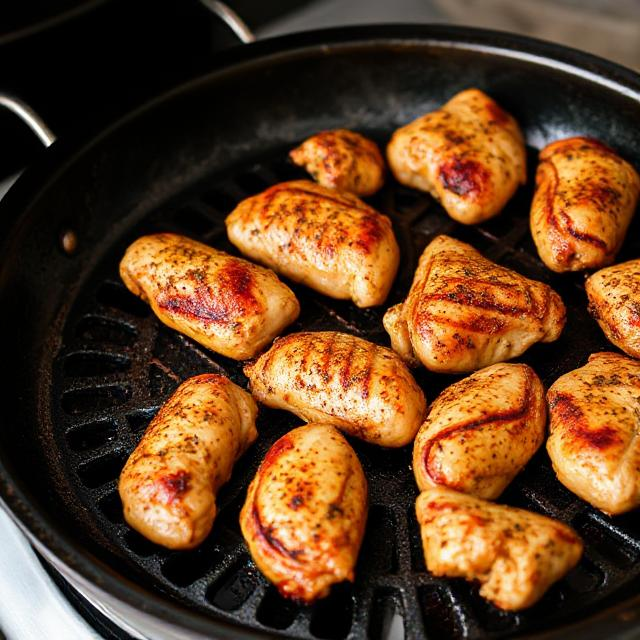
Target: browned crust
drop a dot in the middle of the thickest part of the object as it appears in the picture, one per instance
(475, 425)
(269, 547)
(566, 412)
(235, 299)
(560, 220)
(370, 225)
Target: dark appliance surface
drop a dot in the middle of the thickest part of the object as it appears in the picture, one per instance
(90, 365)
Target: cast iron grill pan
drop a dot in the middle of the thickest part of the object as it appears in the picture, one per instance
(91, 364)
(118, 364)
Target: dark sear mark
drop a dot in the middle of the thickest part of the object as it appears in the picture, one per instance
(564, 409)
(232, 297)
(174, 486)
(267, 535)
(464, 177)
(516, 414)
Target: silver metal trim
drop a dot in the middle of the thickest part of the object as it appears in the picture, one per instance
(231, 18)
(32, 604)
(29, 117)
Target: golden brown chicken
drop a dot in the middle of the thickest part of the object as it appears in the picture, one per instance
(481, 431)
(464, 312)
(225, 303)
(168, 485)
(614, 301)
(516, 555)
(355, 385)
(469, 155)
(594, 441)
(332, 242)
(584, 201)
(342, 160)
(305, 512)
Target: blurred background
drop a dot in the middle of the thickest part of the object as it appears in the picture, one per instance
(609, 28)
(80, 63)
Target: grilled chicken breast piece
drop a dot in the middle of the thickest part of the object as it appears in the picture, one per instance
(481, 431)
(360, 387)
(464, 312)
(169, 483)
(225, 303)
(584, 201)
(330, 241)
(305, 512)
(516, 555)
(594, 441)
(614, 301)
(469, 155)
(343, 160)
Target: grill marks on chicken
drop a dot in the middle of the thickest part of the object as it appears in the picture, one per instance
(331, 241)
(168, 485)
(481, 431)
(584, 200)
(225, 303)
(469, 155)
(614, 301)
(305, 512)
(360, 387)
(515, 555)
(594, 441)
(343, 160)
(464, 312)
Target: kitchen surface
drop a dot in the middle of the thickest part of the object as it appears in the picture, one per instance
(83, 64)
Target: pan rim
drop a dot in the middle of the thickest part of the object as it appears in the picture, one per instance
(42, 532)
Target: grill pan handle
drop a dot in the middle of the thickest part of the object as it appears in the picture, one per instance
(231, 18)
(29, 117)
(39, 126)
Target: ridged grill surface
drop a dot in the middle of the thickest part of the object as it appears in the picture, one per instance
(118, 364)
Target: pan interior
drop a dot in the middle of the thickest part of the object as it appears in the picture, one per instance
(108, 364)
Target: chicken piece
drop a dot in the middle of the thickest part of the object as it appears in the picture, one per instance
(360, 387)
(516, 555)
(584, 201)
(225, 303)
(614, 301)
(464, 312)
(594, 441)
(168, 485)
(469, 155)
(305, 512)
(330, 241)
(481, 431)
(342, 160)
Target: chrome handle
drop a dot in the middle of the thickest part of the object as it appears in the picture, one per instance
(231, 18)
(29, 117)
(40, 128)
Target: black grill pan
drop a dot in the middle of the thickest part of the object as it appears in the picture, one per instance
(88, 365)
